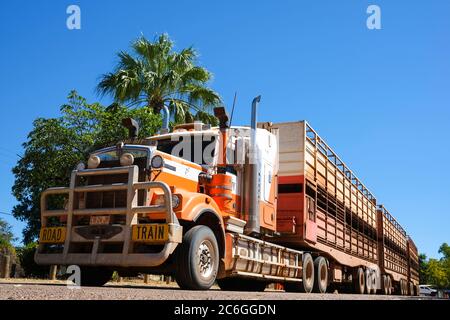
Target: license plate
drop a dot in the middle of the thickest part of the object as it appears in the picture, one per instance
(52, 235)
(99, 220)
(150, 232)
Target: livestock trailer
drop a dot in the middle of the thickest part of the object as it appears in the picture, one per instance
(322, 205)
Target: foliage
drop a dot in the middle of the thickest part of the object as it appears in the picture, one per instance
(6, 238)
(153, 75)
(423, 264)
(436, 271)
(56, 145)
(26, 259)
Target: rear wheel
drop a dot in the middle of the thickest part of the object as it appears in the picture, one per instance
(359, 281)
(238, 284)
(389, 285)
(94, 276)
(321, 275)
(370, 282)
(307, 277)
(197, 259)
(385, 285)
(401, 287)
(411, 289)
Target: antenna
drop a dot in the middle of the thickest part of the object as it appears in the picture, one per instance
(232, 109)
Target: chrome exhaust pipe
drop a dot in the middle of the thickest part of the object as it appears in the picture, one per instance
(165, 120)
(253, 224)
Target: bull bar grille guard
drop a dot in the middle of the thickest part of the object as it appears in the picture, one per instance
(126, 258)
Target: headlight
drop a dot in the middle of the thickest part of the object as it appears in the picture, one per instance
(127, 159)
(159, 201)
(157, 162)
(93, 162)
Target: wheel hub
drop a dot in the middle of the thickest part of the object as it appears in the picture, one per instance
(205, 261)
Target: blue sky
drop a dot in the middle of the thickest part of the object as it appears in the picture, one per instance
(379, 97)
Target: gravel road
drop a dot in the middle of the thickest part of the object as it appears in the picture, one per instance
(57, 290)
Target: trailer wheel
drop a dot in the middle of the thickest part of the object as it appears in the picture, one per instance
(359, 281)
(321, 275)
(386, 290)
(239, 284)
(94, 276)
(401, 288)
(307, 277)
(389, 285)
(370, 282)
(411, 289)
(197, 259)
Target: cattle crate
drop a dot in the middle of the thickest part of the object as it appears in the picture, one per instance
(393, 245)
(322, 205)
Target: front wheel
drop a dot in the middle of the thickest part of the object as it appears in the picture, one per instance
(197, 259)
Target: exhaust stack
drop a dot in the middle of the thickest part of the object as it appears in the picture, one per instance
(165, 120)
(253, 223)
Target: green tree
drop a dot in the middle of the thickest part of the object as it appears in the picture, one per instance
(6, 237)
(56, 145)
(30, 269)
(436, 274)
(153, 76)
(436, 271)
(423, 264)
(445, 260)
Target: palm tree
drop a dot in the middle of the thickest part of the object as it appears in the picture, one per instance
(153, 76)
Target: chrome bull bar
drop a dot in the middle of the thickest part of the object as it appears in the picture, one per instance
(132, 209)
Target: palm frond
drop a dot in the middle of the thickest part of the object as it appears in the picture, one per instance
(153, 74)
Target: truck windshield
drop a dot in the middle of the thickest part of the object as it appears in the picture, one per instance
(195, 148)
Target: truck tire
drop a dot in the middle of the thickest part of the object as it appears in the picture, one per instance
(239, 284)
(401, 288)
(389, 285)
(359, 281)
(411, 289)
(197, 259)
(321, 275)
(370, 282)
(385, 285)
(94, 276)
(307, 283)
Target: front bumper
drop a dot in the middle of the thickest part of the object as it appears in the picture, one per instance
(127, 258)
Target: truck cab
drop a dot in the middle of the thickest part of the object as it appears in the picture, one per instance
(145, 205)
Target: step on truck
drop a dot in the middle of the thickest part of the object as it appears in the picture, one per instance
(238, 206)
